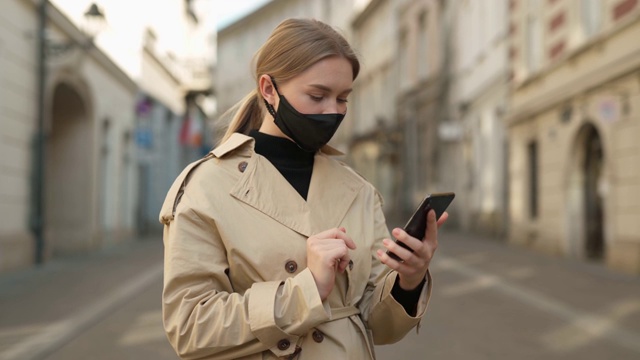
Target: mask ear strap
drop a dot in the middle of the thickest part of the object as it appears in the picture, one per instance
(270, 108)
(273, 81)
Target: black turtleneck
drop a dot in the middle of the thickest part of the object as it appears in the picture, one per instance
(296, 165)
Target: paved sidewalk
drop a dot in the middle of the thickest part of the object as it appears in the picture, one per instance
(491, 301)
(43, 308)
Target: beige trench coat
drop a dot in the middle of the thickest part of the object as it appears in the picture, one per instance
(236, 284)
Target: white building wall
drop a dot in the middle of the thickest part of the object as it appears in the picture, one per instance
(17, 121)
(479, 97)
(108, 94)
(375, 44)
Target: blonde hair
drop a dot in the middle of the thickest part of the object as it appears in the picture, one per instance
(293, 46)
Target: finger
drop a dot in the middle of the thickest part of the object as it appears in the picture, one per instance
(342, 265)
(432, 227)
(391, 262)
(328, 234)
(407, 239)
(392, 246)
(347, 239)
(443, 218)
(337, 233)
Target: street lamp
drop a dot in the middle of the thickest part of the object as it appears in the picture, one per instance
(95, 19)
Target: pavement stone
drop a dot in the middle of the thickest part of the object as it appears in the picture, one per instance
(44, 307)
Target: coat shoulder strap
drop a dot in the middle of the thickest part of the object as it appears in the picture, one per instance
(174, 195)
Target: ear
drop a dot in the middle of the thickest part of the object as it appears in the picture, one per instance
(267, 90)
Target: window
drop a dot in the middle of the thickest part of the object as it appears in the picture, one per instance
(532, 154)
(591, 16)
(534, 36)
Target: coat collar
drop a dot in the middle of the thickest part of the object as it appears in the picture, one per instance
(332, 190)
(237, 140)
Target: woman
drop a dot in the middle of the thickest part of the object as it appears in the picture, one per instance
(274, 249)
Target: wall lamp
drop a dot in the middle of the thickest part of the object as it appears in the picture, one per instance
(94, 22)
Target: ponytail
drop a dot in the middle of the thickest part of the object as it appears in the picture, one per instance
(248, 115)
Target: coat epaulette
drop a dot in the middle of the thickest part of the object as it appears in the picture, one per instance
(177, 189)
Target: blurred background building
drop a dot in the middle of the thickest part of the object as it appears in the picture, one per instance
(524, 108)
(573, 122)
(527, 109)
(101, 105)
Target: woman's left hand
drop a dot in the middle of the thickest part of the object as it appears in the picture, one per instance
(413, 269)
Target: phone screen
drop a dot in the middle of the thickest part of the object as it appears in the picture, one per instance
(417, 224)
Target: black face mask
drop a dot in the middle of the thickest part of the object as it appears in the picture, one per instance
(309, 131)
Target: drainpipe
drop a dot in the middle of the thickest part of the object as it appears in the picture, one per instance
(37, 212)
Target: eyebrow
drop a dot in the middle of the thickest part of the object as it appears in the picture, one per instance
(327, 89)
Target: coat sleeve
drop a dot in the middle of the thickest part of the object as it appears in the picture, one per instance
(383, 315)
(205, 318)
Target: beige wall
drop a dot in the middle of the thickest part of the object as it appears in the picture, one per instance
(103, 91)
(479, 99)
(17, 79)
(591, 72)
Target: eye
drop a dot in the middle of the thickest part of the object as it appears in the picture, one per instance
(316, 98)
(344, 101)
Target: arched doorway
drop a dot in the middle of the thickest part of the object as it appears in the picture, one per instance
(585, 200)
(68, 174)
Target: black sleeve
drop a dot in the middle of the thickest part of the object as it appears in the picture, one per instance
(408, 299)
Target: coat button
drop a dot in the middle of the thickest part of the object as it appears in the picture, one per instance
(318, 336)
(242, 166)
(350, 264)
(291, 266)
(283, 344)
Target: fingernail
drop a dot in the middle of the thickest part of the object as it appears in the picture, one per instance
(386, 241)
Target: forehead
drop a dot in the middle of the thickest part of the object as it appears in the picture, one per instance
(335, 73)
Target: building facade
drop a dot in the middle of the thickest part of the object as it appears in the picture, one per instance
(423, 67)
(474, 137)
(573, 122)
(373, 132)
(171, 62)
(116, 126)
(87, 123)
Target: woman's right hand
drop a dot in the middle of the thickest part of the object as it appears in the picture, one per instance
(328, 252)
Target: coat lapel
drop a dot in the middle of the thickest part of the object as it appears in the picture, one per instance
(331, 193)
(263, 187)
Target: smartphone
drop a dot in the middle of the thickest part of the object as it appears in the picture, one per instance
(417, 224)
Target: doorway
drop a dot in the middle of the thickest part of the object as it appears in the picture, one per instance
(68, 174)
(586, 200)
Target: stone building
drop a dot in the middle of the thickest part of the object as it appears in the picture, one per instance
(115, 107)
(573, 124)
(474, 137)
(88, 102)
(423, 81)
(373, 132)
